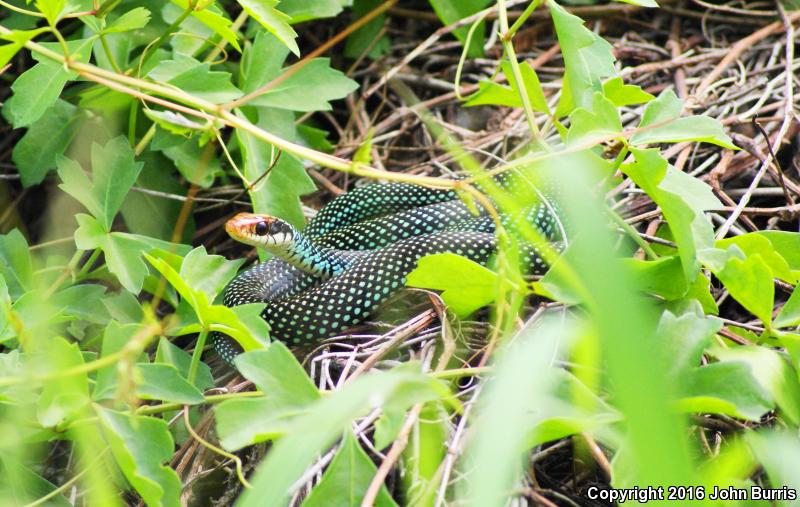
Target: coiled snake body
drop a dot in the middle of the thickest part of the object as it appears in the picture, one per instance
(355, 254)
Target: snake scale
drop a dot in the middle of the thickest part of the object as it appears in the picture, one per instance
(356, 253)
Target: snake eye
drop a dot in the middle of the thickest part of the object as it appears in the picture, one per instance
(261, 228)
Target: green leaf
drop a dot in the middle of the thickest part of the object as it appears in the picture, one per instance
(70, 394)
(425, 454)
(307, 437)
(305, 10)
(272, 19)
(621, 94)
(276, 372)
(661, 277)
(590, 127)
(114, 172)
(588, 60)
(170, 354)
(261, 62)
(246, 422)
(749, 282)
(347, 478)
(450, 11)
(123, 252)
(140, 446)
(277, 194)
(15, 263)
(789, 315)
(18, 40)
(779, 453)
(521, 386)
(196, 164)
(683, 200)
(772, 372)
(493, 94)
(134, 19)
(724, 388)
(684, 338)
(755, 243)
(213, 20)
(25, 486)
(35, 154)
(530, 82)
(51, 9)
(466, 284)
(786, 244)
(661, 123)
(163, 382)
(208, 274)
(196, 78)
(176, 123)
(310, 88)
(115, 337)
(39, 87)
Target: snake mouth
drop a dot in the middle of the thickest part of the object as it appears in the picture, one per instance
(259, 230)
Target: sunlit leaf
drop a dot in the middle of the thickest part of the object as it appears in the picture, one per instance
(272, 19)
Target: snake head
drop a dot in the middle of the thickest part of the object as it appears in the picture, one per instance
(260, 230)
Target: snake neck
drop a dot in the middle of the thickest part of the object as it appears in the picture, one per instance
(303, 254)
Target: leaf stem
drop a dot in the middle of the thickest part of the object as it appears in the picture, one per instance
(198, 351)
(151, 50)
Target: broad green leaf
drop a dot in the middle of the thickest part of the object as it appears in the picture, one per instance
(789, 315)
(425, 453)
(684, 338)
(272, 19)
(25, 486)
(197, 164)
(661, 123)
(139, 208)
(163, 382)
(278, 193)
(261, 62)
(134, 19)
(530, 82)
(212, 317)
(16, 266)
(276, 372)
(308, 436)
(115, 337)
(494, 94)
(509, 405)
(243, 422)
(590, 127)
(347, 478)
(17, 40)
(466, 284)
(621, 94)
(114, 172)
(787, 244)
(388, 426)
(70, 394)
(682, 199)
(196, 78)
(450, 11)
(588, 60)
(170, 354)
(81, 301)
(725, 388)
(778, 452)
(208, 273)
(51, 9)
(140, 446)
(309, 88)
(755, 243)
(749, 282)
(772, 372)
(304, 10)
(123, 252)
(35, 154)
(39, 87)
(211, 18)
(661, 277)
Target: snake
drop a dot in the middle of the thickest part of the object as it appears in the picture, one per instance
(357, 252)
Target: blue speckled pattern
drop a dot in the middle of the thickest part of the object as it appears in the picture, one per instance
(342, 269)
